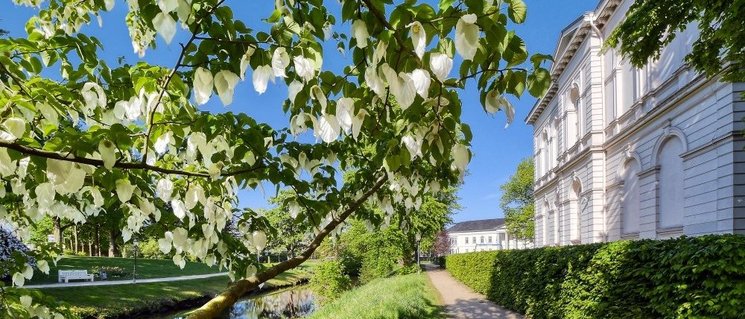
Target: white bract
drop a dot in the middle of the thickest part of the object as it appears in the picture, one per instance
(294, 209)
(246, 60)
(327, 128)
(124, 190)
(467, 36)
(319, 96)
(304, 68)
(293, 89)
(16, 127)
(259, 240)
(179, 209)
(44, 195)
(165, 25)
(461, 157)
(94, 97)
(261, 77)
(225, 82)
(418, 38)
(421, 82)
(440, 64)
(167, 5)
(344, 111)
(108, 153)
(202, 85)
(413, 145)
(374, 82)
(280, 61)
(495, 101)
(162, 143)
(359, 32)
(164, 189)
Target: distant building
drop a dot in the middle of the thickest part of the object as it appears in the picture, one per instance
(633, 153)
(481, 235)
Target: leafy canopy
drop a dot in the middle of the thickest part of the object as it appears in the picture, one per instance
(517, 201)
(81, 137)
(652, 24)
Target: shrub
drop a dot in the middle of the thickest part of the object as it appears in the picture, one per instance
(329, 280)
(11, 251)
(112, 272)
(687, 277)
(150, 249)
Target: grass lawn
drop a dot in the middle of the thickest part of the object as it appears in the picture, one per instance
(401, 297)
(146, 268)
(118, 300)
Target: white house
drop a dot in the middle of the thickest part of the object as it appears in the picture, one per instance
(481, 235)
(627, 153)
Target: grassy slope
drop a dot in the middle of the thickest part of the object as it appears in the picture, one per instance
(146, 268)
(401, 297)
(103, 301)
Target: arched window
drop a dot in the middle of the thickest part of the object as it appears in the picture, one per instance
(545, 224)
(630, 199)
(576, 117)
(544, 153)
(575, 211)
(670, 187)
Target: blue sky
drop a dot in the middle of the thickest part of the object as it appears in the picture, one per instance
(497, 149)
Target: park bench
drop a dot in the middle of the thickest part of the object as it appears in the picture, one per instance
(68, 275)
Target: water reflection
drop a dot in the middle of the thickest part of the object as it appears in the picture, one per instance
(293, 303)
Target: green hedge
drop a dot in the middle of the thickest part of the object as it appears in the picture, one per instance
(688, 277)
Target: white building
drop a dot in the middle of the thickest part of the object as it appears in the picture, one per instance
(627, 153)
(481, 235)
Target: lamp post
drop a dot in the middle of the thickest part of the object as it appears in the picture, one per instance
(134, 272)
(418, 238)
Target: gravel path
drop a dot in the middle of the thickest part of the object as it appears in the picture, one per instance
(124, 282)
(463, 303)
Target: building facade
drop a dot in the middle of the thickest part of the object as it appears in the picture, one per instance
(628, 153)
(482, 235)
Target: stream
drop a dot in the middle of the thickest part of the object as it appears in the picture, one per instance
(295, 302)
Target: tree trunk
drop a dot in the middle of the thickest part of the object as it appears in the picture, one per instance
(112, 243)
(75, 236)
(58, 238)
(98, 242)
(228, 297)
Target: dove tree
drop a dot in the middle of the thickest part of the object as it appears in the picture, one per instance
(79, 135)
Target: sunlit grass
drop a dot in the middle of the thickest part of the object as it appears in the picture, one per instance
(121, 300)
(401, 297)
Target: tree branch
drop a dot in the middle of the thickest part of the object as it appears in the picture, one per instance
(168, 79)
(221, 302)
(123, 165)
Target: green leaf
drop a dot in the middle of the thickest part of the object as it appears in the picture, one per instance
(538, 82)
(517, 11)
(445, 4)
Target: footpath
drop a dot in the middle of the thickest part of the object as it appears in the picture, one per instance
(460, 302)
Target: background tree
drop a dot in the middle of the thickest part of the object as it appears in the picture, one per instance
(652, 24)
(83, 134)
(441, 246)
(517, 202)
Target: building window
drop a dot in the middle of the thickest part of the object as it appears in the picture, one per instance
(575, 117)
(474, 239)
(466, 240)
(671, 184)
(575, 211)
(482, 239)
(490, 240)
(630, 199)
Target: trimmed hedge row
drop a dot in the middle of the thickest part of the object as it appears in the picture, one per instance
(687, 277)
